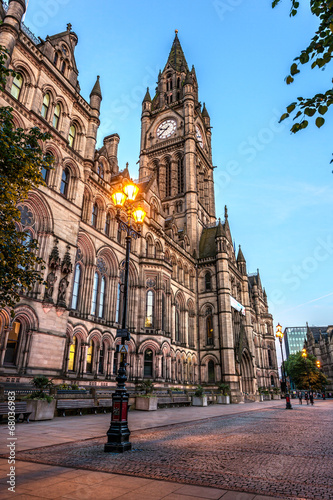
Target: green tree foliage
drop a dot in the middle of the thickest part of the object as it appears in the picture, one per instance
(304, 372)
(21, 161)
(319, 54)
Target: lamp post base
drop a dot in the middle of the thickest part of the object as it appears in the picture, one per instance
(118, 433)
(288, 403)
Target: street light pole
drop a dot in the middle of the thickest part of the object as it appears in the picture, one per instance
(118, 433)
(279, 335)
(305, 356)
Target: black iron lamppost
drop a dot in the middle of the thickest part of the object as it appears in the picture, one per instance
(118, 433)
(305, 356)
(279, 335)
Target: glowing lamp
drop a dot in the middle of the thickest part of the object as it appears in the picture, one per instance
(131, 190)
(304, 353)
(118, 198)
(139, 214)
(318, 364)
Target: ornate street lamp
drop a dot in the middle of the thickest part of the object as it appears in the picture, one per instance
(305, 356)
(279, 335)
(118, 433)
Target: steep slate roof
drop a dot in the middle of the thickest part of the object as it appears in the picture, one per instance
(207, 245)
(176, 57)
(317, 330)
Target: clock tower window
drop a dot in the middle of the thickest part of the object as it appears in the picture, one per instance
(180, 176)
(168, 178)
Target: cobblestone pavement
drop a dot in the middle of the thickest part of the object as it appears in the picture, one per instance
(287, 454)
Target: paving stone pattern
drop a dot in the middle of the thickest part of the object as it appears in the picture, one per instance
(274, 452)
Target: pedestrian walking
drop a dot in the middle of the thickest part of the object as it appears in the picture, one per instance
(300, 397)
(324, 396)
(306, 397)
(311, 398)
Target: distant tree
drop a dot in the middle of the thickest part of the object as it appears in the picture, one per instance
(319, 53)
(304, 372)
(21, 162)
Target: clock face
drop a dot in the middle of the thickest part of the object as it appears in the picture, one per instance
(166, 129)
(199, 136)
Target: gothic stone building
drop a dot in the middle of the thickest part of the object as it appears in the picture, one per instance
(195, 315)
(319, 342)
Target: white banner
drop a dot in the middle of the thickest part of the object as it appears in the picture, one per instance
(236, 305)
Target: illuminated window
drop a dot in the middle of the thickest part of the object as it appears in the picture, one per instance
(90, 357)
(149, 309)
(45, 105)
(72, 355)
(56, 116)
(12, 344)
(71, 136)
(209, 326)
(17, 86)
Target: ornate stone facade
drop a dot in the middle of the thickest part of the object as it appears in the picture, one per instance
(319, 342)
(195, 315)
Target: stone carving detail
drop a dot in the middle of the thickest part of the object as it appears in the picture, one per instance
(54, 260)
(66, 265)
(150, 283)
(79, 255)
(50, 282)
(27, 216)
(101, 266)
(62, 292)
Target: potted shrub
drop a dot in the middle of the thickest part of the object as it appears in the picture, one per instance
(199, 399)
(261, 393)
(224, 396)
(39, 403)
(146, 401)
(276, 393)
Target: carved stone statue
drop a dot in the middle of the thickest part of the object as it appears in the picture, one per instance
(62, 292)
(50, 282)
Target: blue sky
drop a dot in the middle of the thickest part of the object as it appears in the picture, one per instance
(277, 186)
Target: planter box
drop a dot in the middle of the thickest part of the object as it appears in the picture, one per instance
(199, 401)
(146, 404)
(261, 398)
(267, 397)
(223, 400)
(41, 410)
(276, 396)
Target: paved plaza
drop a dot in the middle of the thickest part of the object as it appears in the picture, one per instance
(239, 452)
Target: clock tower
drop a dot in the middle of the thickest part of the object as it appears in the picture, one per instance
(176, 148)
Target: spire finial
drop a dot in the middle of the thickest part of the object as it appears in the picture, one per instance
(225, 212)
(176, 31)
(69, 27)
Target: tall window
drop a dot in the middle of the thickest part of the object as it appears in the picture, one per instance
(94, 295)
(56, 57)
(72, 355)
(177, 323)
(168, 178)
(211, 371)
(45, 105)
(56, 116)
(180, 176)
(191, 319)
(101, 359)
(272, 381)
(45, 174)
(71, 136)
(63, 68)
(94, 215)
(12, 344)
(107, 224)
(17, 86)
(101, 299)
(76, 287)
(208, 282)
(100, 170)
(149, 322)
(163, 322)
(148, 363)
(119, 232)
(269, 358)
(64, 182)
(209, 326)
(90, 357)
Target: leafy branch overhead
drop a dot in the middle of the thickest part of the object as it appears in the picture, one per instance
(21, 162)
(319, 54)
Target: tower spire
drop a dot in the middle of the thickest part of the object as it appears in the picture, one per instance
(176, 57)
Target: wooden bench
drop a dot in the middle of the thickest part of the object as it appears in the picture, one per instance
(20, 409)
(75, 404)
(105, 403)
(181, 400)
(164, 401)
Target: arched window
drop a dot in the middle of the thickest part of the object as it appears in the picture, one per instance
(115, 363)
(90, 357)
(56, 57)
(191, 281)
(45, 174)
(64, 182)
(208, 282)
(163, 319)
(72, 355)
(209, 326)
(56, 116)
(168, 178)
(71, 136)
(45, 105)
(101, 359)
(149, 322)
(107, 224)
(180, 175)
(94, 295)
(76, 287)
(94, 215)
(269, 358)
(177, 323)
(101, 299)
(13, 344)
(272, 381)
(63, 67)
(17, 86)
(211, 371)
(100, 170)
(148, 363)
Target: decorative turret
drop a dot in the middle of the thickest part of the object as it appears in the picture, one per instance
(146, 103)
(10, 28)
(226, 225)
(96, 96)
(111, 145)
(205, 116)
(241, 262)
